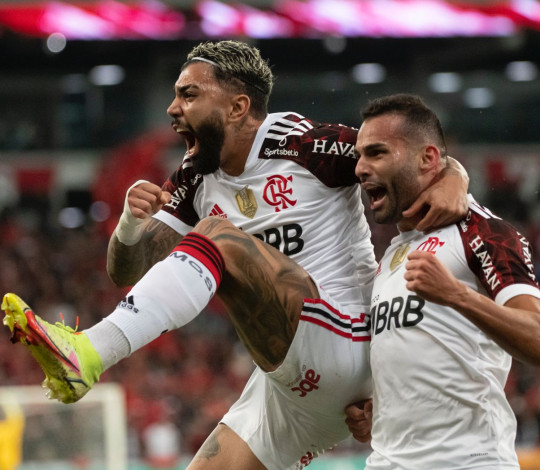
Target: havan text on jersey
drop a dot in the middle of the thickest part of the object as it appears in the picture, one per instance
(345, 149)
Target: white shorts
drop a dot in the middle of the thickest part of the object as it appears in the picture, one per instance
(290, 415)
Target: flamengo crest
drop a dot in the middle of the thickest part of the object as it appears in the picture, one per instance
(431, 245)
(277, 192)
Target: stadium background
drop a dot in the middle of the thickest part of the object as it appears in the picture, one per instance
(83, 91)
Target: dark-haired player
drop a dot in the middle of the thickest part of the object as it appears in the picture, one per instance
(449, 309)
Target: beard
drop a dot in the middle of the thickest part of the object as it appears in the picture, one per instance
(402, 191)
(210, 137)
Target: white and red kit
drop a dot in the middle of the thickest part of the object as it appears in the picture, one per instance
(299, 193)
(439, 400)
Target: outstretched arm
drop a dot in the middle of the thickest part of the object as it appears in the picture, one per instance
(514, 326)
(139, 241)
(446, 200)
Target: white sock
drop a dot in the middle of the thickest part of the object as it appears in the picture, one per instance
(170, 295)
(109, 341)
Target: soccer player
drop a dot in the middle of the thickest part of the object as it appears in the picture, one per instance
(448, 308)
(265, 211)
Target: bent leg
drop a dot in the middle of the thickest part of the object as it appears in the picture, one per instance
(262, 289)
(224, 449)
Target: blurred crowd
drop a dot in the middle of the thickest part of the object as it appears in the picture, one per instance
(179, 386)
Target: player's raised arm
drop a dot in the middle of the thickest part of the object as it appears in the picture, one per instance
(514, 326)
(139, 241)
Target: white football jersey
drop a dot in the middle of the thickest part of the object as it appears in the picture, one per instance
(298, 192)
(439, 400)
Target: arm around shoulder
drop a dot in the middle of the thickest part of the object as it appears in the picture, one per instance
(454, 165)
(445, 202)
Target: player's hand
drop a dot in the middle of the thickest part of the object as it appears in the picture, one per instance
(445, 202)
(146, 199)
(430, 279)
(359, 418)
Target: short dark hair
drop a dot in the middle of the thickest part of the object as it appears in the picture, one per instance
(239, 67)
(420, 119)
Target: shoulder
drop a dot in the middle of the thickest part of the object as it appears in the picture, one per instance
(183, 178)
(480, 224)
(183, 185)
(294, 126)
(326, 150)
(495, 250)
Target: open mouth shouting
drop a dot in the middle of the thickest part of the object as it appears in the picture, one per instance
(204, 145)
(377, 194)
(189, 139)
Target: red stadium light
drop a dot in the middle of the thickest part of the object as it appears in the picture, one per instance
(110, 19)
(100, 20)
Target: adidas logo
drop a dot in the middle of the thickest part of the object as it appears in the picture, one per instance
(128, 304)
(216, 210)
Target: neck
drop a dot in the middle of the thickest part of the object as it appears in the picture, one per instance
(408, 224)
(237, 146)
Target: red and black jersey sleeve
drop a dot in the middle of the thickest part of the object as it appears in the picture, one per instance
(325, 150)
(182, 184)
(496, 252)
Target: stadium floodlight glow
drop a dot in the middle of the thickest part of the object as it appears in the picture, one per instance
(99, 211)
(71, 217)
(107, 75)
(218, 18)
(56, 42)
(266, 24)
(521, 71)
(445, 82)
(369, 73)
(162, 19)
(480, 97)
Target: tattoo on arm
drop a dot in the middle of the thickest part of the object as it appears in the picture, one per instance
(127, 264)
(210, 448)
(263, 291)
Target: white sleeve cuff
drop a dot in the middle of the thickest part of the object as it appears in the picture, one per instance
(173, 222)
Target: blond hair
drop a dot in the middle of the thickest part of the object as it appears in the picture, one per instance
(243, 63)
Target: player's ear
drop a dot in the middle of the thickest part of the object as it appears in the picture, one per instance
(431, 158)
(240, 105)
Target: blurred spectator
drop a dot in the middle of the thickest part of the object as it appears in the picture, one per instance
(503, 196)
(161, 438)
(11, 434)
